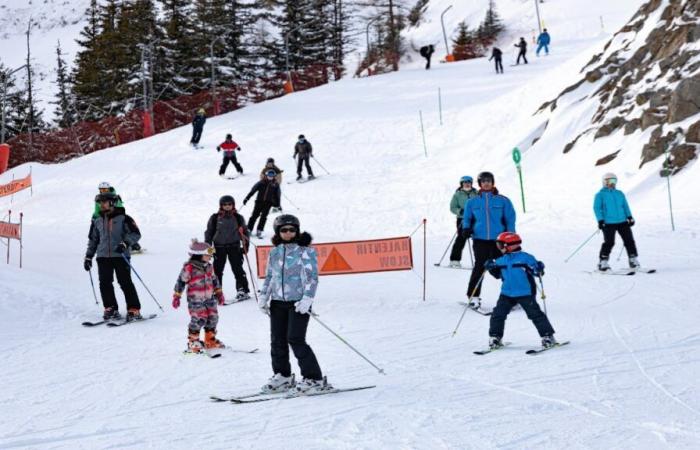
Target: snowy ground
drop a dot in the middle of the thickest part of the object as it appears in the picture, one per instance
(628, 380)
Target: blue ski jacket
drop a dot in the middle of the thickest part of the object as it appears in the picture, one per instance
(543, 38)
(488, 215)
(517, 270)
(610, 206)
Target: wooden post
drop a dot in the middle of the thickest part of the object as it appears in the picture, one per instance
(21, 215)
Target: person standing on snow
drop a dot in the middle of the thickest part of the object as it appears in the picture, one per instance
(464, 192)
(303, 152)
(291, 280)
(268, 196)
(203, 294)
(517, 270)
(543, 41)
(229, 147)
(497, 55)
(111, 234)
(227, 232)
(614, 216)
(522, 45)
(427, 52)
(485, 217)
(270, 165)
(198, 126)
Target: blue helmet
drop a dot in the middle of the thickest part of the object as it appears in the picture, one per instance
(466, 179)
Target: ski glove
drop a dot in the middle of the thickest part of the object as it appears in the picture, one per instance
(540, 269)
(264, 307)
(220, 299)
(601, 224)
(466, 233)
(176, 300)
(245, 200)
(121, 248)
(218, 149)
(490, 264)
(87, 264)
(630, 221)
(303, 306)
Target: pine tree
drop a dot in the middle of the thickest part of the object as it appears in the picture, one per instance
(182, 62)
(465, 45)
(87, 81)
(64, 115)
(491, 26)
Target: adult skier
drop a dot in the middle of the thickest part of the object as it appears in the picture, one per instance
(198, 126)
(614, 216)
(427, 52)
(303, 152)
(522, 45)
(111, 234)
(464, 192)
(268, 196)
(517, 270)
(291, 280)
(203, 294)
(485, 217)
(543, 41)
(229, 147)
(497, 55)
(105, 187)
(227, 232)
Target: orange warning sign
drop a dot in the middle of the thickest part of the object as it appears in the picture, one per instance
(337, 258)
(10, 230)
(15, 186)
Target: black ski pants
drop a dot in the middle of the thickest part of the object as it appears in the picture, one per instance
(458, 246)
(532, 309)
(304, 159)
(196, 134)
(234, 253)
(521, 54)
(230, 159)
(106, 268)
(288, 328)
(625, 231)
(261, 209)
(483, 251)
(499, 65)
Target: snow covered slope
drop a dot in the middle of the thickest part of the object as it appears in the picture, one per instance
(626, 381)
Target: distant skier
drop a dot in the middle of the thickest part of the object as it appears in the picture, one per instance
(291, 280)
(198, 126)
(543, 41)
(464, 192)
(103, 188)
(427, 52)
(614, 216)
(111, 234)
(518, 270)
(229, 147)
(485, 217)
(522, 45)
(303, 152)
(203, 294)
(268, 196)
(497, 55)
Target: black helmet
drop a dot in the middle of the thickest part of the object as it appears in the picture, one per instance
(485, 176)
(301, 136)
(270, 160)
(285, 219)
(229, 137)
(226, 199)
(110, 197)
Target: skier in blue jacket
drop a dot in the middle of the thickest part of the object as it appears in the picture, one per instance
(614, 216)
(543, 41)
(518, 270)
(485, 217)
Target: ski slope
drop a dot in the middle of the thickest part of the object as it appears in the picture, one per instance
(628, 380)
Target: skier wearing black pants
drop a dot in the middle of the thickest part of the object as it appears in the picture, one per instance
(522, 45)
(614, 216)
(497, 55)
(198, 126)
(303, 152)
(464, 192)
(427, 52)
(227, 232)
(268, 196)
(485, 217)
(229, 147)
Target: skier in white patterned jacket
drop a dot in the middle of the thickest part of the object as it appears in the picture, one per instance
(286, 296)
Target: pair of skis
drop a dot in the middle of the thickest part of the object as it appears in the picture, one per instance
(624, 272)
(120, 322)
(258, 397)
(533, 351)
(476, 310)
(303, 180)
(217, 352)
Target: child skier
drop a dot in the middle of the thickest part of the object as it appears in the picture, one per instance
(286, 296)
(614, 215)
(203, 294)
(229, 147)
(517, 269)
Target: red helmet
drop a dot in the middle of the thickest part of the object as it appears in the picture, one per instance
(510, 242)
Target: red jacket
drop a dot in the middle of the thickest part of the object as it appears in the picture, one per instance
(228, 147)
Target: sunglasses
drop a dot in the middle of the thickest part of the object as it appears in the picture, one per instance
(288, 230)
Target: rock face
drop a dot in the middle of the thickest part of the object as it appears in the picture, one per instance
(656, 85)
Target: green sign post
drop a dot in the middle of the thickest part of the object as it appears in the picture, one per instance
(516, 159)
(668, 170)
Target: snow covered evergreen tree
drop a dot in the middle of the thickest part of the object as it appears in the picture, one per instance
(64, 114)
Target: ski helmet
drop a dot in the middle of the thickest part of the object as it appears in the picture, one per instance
(510, 242)
(485, 176)
(200, 248)
(201, 111)
(227, 199)
(229, 137)
(285, 219)
(301, 137)
(466, 179)
(104, 185)
(609, 177)
(271, 173)
(109, 197)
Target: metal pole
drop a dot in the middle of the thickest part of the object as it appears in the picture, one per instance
(446, 249)
(380, 370)
(9, 220)
(422, 130)
(440, 104)
(141, 280)
(444, 34)
(467, 305)
(424, 254)
(668, 186)
(522, 191)
(581, 246)
(539, 22)
(21, 215)
(92, 283)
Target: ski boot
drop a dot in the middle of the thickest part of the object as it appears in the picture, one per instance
(258, 234)
(111, 314)
(548, 341)
(311, 177)
(278, 383)
(634, 262)
(475, 302)
(309, 386)
(136, 248)
(133, 314)
(299, 178)
(603, 265)
(455, 264)
(194, 345)
(242, 295)
(210, 340)
(495, 342)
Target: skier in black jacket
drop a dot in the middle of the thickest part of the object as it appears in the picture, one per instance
(198, 127)
(427, 52)
(497, 54)
(303, 151)
(268, 196)
(227, 232)
(522, 45)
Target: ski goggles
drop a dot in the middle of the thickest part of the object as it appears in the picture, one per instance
(611, 180)
(288, 230)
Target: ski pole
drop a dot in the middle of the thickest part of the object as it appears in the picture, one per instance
(581, 246)
(471, 257)
(139, 277)
(467, 305)
(346, 343)
(92, 283)
(448, 247)
(621, 250)
(291, 202)
(542, 295)
(252, 278)
(317, 162)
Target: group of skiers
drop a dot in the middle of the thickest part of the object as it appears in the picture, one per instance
(543, 41)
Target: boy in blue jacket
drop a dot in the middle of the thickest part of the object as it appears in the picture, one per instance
(518, 270)
(614, 216)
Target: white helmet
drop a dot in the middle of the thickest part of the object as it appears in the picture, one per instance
(104, 185)
(609, 176)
